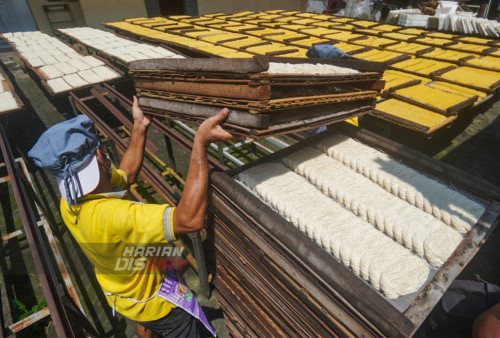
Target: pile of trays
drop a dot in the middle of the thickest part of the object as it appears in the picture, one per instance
(262, 102)
(461, 64)
(274, 277)
(59, 67)
(117, 49)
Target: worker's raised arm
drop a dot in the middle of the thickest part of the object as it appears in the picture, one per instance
(134, 155)
(190, 213)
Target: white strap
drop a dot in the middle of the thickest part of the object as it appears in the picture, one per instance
(131, 299)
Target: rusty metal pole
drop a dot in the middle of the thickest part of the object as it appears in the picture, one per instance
(170, 151)
(51, 288)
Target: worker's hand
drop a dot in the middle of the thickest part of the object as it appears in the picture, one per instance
(139, 118)
(182, 289)
(210, 130)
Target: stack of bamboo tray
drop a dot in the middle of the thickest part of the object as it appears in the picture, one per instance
(272, 279)
(459, 63)
(57, 66)
(261, 103)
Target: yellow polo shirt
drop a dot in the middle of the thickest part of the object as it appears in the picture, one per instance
(106, 227)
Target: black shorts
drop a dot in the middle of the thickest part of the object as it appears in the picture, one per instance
(178, 323)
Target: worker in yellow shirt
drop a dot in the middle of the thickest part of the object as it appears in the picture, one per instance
(111, 230)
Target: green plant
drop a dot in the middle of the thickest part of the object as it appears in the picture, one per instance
(23, 310)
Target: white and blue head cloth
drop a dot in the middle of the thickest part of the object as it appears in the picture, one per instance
(67, 150)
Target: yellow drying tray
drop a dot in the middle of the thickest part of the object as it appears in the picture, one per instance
(243, 43)
(308, 42)
(364, 23)
(410, 76)
(411, 116)
(434, 41)
(315, 31)
(343, 36)
(484, 62)
(397, 36)
(447, 55)
(267, 24)
(374, 41)
(304, 22)
(345, 27)
(301, 53)
(271, 49)
(325, 24)
(222, 25)
(476, 78)
(367, 31)
(212, 22)
(440, 35)
(470, 47)
(412, 31)
(131, 20)
(494, 53)
(392, 82)
(457, 89)
(293, 27)
(192, 20)
(213, 15)
(285, 37)
(243, 27)
(348, 47)
(270, 16)
(477, 41)
(216, 50)
(201, 32)
(220, 36)
(179, 17)
(409, 48)
(422, 67)
(341, 19)
(434, 99)
(381, 56)
(386, 28)
(395, 79)
(261, 32)
(285, 19)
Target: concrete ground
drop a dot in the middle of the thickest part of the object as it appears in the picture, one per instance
(474, 148)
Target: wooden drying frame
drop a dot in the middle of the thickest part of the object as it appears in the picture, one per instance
(333, 275)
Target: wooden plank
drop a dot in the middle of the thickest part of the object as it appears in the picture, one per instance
(255, 272)
(200, 111)
(209, 89)
(315, 260)
(202, 65)
(358, 64)
(371, 306)
(287, 268)
(450, 270)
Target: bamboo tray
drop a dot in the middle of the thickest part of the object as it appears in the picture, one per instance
(412, 117)
(246, 124)
(247, 78)
(307, 289)
(433, 99)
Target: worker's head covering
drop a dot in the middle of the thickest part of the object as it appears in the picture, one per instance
(325, 51)
(67, 150)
